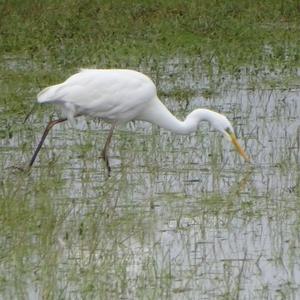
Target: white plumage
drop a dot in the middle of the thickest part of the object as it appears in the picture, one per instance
(108, 94)
(119, 96)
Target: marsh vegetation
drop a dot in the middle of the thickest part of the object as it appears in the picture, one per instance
(181, 217)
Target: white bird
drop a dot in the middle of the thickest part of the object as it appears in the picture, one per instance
(119, 96)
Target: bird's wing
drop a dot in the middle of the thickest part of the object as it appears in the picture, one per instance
(111, 94)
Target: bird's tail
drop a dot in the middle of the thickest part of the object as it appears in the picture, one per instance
(49, 94)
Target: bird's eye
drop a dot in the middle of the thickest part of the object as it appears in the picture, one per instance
(228, 130)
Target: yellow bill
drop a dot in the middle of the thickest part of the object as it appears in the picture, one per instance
(238, 147)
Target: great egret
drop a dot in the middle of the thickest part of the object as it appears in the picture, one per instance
(119, 96)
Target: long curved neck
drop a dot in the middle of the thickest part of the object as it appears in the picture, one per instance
(158, 114)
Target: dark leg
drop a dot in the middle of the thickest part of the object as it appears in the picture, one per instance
(104, 153)
(49, 126)
(30, 113)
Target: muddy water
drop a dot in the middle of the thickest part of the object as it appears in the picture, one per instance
(180, 217)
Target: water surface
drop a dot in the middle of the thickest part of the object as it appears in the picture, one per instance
(181, 217)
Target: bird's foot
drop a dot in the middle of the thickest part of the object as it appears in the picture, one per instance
(20, 168)
(104, 156)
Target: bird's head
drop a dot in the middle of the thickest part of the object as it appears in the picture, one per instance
(222, 124)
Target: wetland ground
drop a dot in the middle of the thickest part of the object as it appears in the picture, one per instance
(181, 217)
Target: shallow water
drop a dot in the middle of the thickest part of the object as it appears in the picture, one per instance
(181, 217)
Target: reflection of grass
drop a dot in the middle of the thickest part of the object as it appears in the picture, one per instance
(41, 228)
(68, 229)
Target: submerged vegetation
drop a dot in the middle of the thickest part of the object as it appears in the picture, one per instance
(178, 218)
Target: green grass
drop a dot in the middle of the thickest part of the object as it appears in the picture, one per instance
(92, 31)
(179, 213)
(112, 33)
(42, 42)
